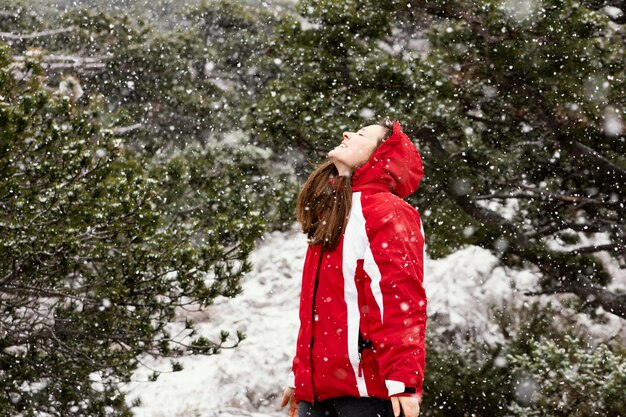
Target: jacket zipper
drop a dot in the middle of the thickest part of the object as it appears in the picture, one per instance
(317, 272)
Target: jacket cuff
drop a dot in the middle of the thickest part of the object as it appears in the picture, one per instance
(291, 380)
(397, 388)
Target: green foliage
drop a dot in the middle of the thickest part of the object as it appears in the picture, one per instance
(234, 41)
(99, 246)
(463, 381)
(169, 87)
(102, 241)
(571, 379)
(332, 78)
(516, 84)
(361, 18)
(518, 113)
(148, 77)
(541, 367)
(235, 188)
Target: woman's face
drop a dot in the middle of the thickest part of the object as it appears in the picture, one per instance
(356, 147)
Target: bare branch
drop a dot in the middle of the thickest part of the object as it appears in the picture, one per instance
(562, 225)
(487, 121)
(67, 61)
(541, 195)
(8, 277)
(609, 247)
(4, 13)
(34, 35)
(36, 291)
(121, 130)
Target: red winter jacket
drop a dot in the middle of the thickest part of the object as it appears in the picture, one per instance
(362, 305)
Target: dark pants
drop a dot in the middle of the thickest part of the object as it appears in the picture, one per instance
(347, 407)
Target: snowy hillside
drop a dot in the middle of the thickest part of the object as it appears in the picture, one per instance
(248, 380)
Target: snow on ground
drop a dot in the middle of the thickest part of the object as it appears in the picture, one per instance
(248, 380)
(237, 382)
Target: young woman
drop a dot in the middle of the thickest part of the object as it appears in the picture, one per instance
(360, 349)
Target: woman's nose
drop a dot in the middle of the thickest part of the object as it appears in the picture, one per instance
(345, 135)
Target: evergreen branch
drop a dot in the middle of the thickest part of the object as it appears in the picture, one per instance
(600, 4)
(447, 11)
(615, 174)
(592, 157)
(575, 148)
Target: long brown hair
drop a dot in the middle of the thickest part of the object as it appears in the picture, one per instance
(323, 208)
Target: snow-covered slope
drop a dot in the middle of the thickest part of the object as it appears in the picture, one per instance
(248, 380)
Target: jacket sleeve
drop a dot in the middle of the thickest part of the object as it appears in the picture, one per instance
(397, 249)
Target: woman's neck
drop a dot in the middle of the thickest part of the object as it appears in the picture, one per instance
(343, 169)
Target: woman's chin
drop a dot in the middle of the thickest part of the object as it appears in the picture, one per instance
(333, 154)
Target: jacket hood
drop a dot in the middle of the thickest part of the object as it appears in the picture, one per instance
(395, 166)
